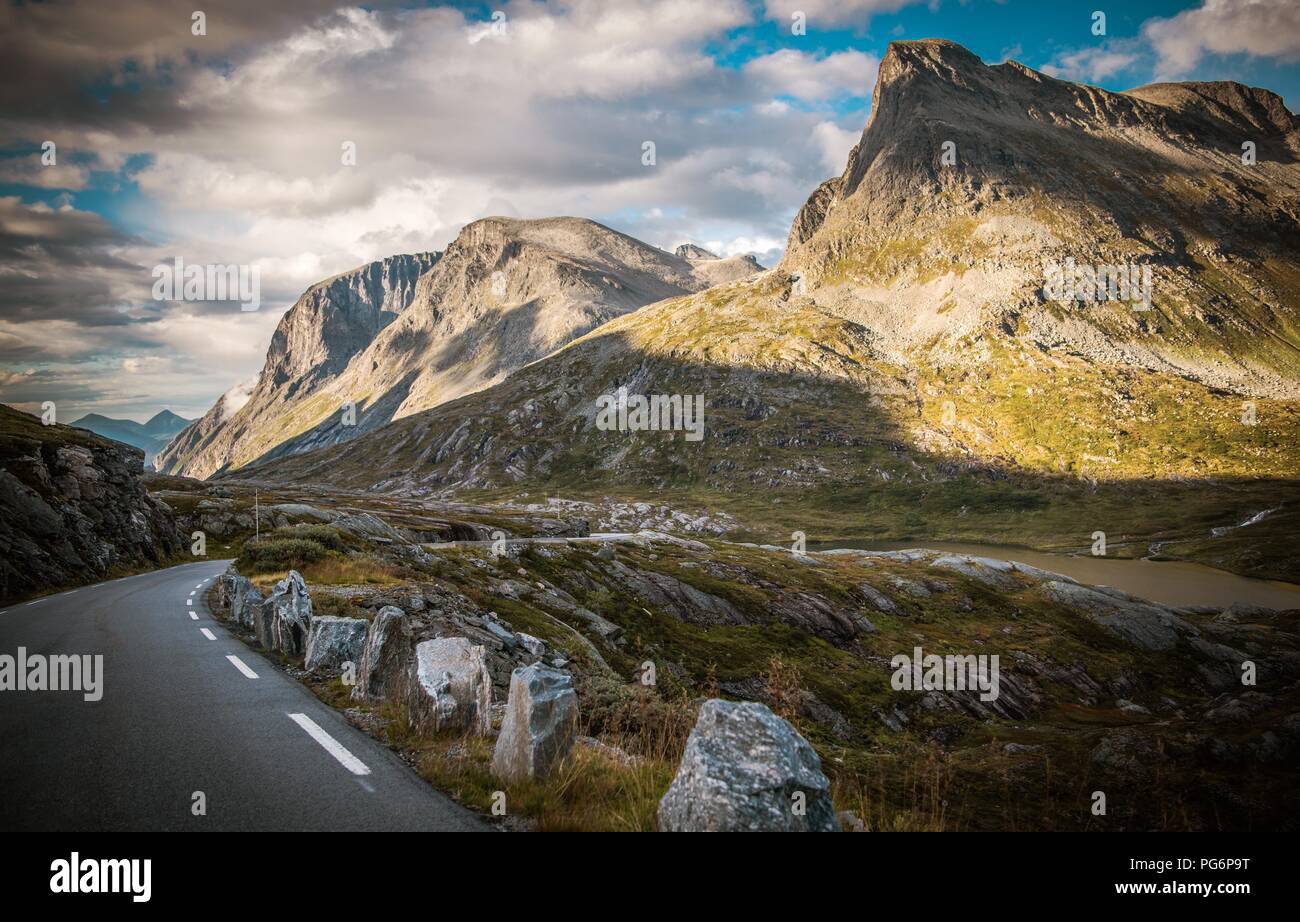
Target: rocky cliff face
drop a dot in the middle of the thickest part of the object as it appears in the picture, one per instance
(73, 508)
(413, 332)
(330, 324)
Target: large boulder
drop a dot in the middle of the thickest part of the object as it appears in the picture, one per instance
(333, 642)
(540, 721)
(744, 770)
(228, 586)
(385, 658)
(244, 600)
(262, 612)
(292, 606)
(451, 687)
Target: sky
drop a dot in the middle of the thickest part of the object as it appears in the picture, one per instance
(231, 146)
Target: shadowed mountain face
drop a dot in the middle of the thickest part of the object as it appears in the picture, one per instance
(904, 367)
(400, 336)
(330, 324)
(73, 508)
(150, 437)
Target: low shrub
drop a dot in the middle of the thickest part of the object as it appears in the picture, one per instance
(322, 534)
(279, 554)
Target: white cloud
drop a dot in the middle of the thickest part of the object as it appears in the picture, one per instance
(1266, 28)
(833, 12)
(1094, 64)
(835, 143)
(804, 76)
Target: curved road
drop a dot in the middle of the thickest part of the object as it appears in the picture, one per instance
(179, 716)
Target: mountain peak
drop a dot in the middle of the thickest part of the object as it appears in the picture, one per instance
(691, 251)
(163, 416)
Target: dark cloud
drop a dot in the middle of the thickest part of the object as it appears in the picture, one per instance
(65, 264)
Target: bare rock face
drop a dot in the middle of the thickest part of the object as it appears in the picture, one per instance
(330, 324)
(290, 609)
(540, 721)
(73, 506)
(1144, 624)
(334, 642)
(747, 770)
(451, 687)
(386, 656)
(416, 331)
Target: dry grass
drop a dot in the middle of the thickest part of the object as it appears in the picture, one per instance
(337, 570)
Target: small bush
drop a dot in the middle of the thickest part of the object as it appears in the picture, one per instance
(322, 534)
(280, 554)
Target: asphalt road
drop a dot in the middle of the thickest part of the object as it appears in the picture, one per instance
(177, 716)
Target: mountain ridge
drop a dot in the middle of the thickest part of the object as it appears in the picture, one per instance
(505, 292)
(151, 436)
(911, 304)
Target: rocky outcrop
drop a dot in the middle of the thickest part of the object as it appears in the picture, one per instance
(73, 508)
(1143, 624)
(747, 770)
(386, 656)
(539, 725)
(333, 643)
(451, 687)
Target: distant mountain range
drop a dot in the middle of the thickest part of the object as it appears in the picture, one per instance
(150, 437)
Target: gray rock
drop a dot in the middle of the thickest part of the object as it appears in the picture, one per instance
(850, 821)
(1018, 748)
(743, 770)
(292, 614)
(244, 601)
(385, 658)
(333, 642)
(540, 721)
(262, 611)
(987, 570)
(1128, 754)
(498, 631)
(534, 645)
(1141, 623)
(451, 687)
(1130, 707)
(877, 599)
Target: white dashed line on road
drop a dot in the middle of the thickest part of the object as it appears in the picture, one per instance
(241, 666)
(331, 745)
(193, 616)
(208, 634)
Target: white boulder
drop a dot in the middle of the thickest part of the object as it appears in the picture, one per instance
(451, 687)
